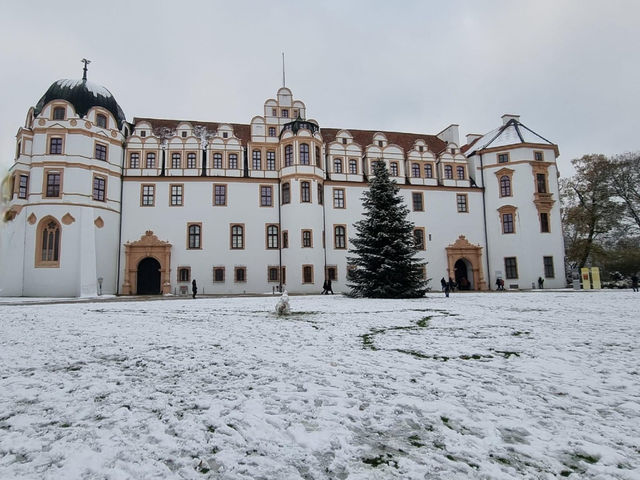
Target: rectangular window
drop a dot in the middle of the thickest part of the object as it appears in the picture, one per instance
(307, 239)
(511, 267)
(218, 274)
(266, 195)
(418, 201)
(285, 113)
(418, 238)
(184, 274)
(353, 166)
(507, 223)
(237, 237)
(147, 195)
(460, 172)
(415, 170)
(307, 274)
(538, 156)
(219, 195)
(176, 195)
(53, 184)
(394, 169)
(338, 198)
(23, 187)
(461, 200)
(305, 192)
(448, 172)
(544, 222)
(55, 146)
(134, 160)
(272, 274)
(151, 160)
(286, 193)
(184, 134)
(285, 239)
(101, 120)
(332, 273)
(59, 113)
(503, 157)
(240, 274)
(176, 160)
(548, 267)
(340, 237)
(428, 170)
(99, 187)
(194, 231)
(101, 152)
(272, 131)
(271, 160)
(541, 181)
(320, 194)
(257, 160)
(233, 161)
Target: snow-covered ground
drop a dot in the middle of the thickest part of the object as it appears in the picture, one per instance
(480, 385)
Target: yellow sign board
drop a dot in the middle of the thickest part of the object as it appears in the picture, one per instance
(586, 281)
(595, 278)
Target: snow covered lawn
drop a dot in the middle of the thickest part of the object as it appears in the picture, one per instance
(492, 385)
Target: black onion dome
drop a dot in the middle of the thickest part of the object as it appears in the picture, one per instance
(297, 124)
(83, 95)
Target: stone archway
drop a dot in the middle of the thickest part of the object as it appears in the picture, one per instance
(148, 278)
(471, 254)
(148, 246)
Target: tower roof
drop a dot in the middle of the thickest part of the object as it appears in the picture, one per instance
(83, 95)
(511, 133)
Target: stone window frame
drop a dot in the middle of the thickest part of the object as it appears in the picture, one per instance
(461, 173)
(271, 160)
(423, 245)
(540, 153)
(149, 156)
(179, 270)
(285, 238)
(465, 203)
(233, 163)
(344, 236)
(172, 195)
(137, 160)
(511, 268)
(303, 239)
(286, 193)
(215, 195)
(105, 123)
(191, 160)
(216, 269)
(508, 210)
(217, 161)
(288, 155)
(415, 170)
(236, 271)
(270, 236)
(144, 195)
(22, 188)
(104, 179)
(414, 197)
(50, 138)
(339, 201)
(98, 149)
(304, 279)
(428, 170)
(394, 169)
(45, 182)
(256, 159)
(57, 249)
(57, 108)
(548, 221)
(447, 172)
(337, 165)
(262, 199)
(271, 268)
(305, 191)
(305, 157)
(327, 274)
(353, 166)
(503, 157)
(549, 269)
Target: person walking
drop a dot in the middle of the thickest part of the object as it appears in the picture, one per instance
(194, 288)
(443, 282)
(329, 289)
(540, 283)
(634, 282)
(452, 285)
(446, 289)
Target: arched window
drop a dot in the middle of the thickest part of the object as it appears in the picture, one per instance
(337, 165)
(194, 236)
(272, 236)
(288, 155)
(48, 243)
(59, 113)
(217, 160)
(191, 160)
(151, 160)
(101, 120)
(428, 171)
(505, 186)
(304, 154)
(340, 237)
(305, 192)
(460, 172)
(448, 171)
(353, 166)
(176, 160)
(237, 237)
(233, 160)
(286, 193)
(415, 170)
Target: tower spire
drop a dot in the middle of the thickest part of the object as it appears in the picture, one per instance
(283, 77)
(84, 70)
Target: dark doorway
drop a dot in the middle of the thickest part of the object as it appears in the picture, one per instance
(148, 277)
(462, 275)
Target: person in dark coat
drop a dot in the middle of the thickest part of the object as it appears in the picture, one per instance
(540, 282)
(325, 288)
(634, 282)
(446, 289)
(329, 289)
(194, 288)
(443, 282)
(452, 285)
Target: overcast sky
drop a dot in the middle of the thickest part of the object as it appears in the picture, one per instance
(570, 68)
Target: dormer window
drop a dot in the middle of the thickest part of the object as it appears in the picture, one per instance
(274, 112)
(421, 148)
(225, 134)
(503, 157)
(143, 133)
(184, 134)
(344, 141)
(58, 113)
(285, 113)
(101, 120)
(380, 143)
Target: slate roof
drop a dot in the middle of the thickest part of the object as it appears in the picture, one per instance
(511, 133)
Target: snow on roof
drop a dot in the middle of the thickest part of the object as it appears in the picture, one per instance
(92, 87)
(512, 133)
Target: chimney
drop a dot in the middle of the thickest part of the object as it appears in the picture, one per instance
(471, 137)
(507, 116)
(450, 134)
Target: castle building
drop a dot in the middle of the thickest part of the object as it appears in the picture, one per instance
(96, 204)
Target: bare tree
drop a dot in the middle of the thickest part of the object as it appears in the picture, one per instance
(625, 183)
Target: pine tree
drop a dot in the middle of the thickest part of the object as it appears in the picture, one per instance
(384, 247)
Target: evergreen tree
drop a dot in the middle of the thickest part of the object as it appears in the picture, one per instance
(384, 247)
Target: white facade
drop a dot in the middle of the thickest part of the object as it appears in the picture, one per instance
(252, 208)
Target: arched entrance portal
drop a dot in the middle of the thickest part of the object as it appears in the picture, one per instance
(462, 269)
(139, 267)
(148, 277)
(464, 260)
